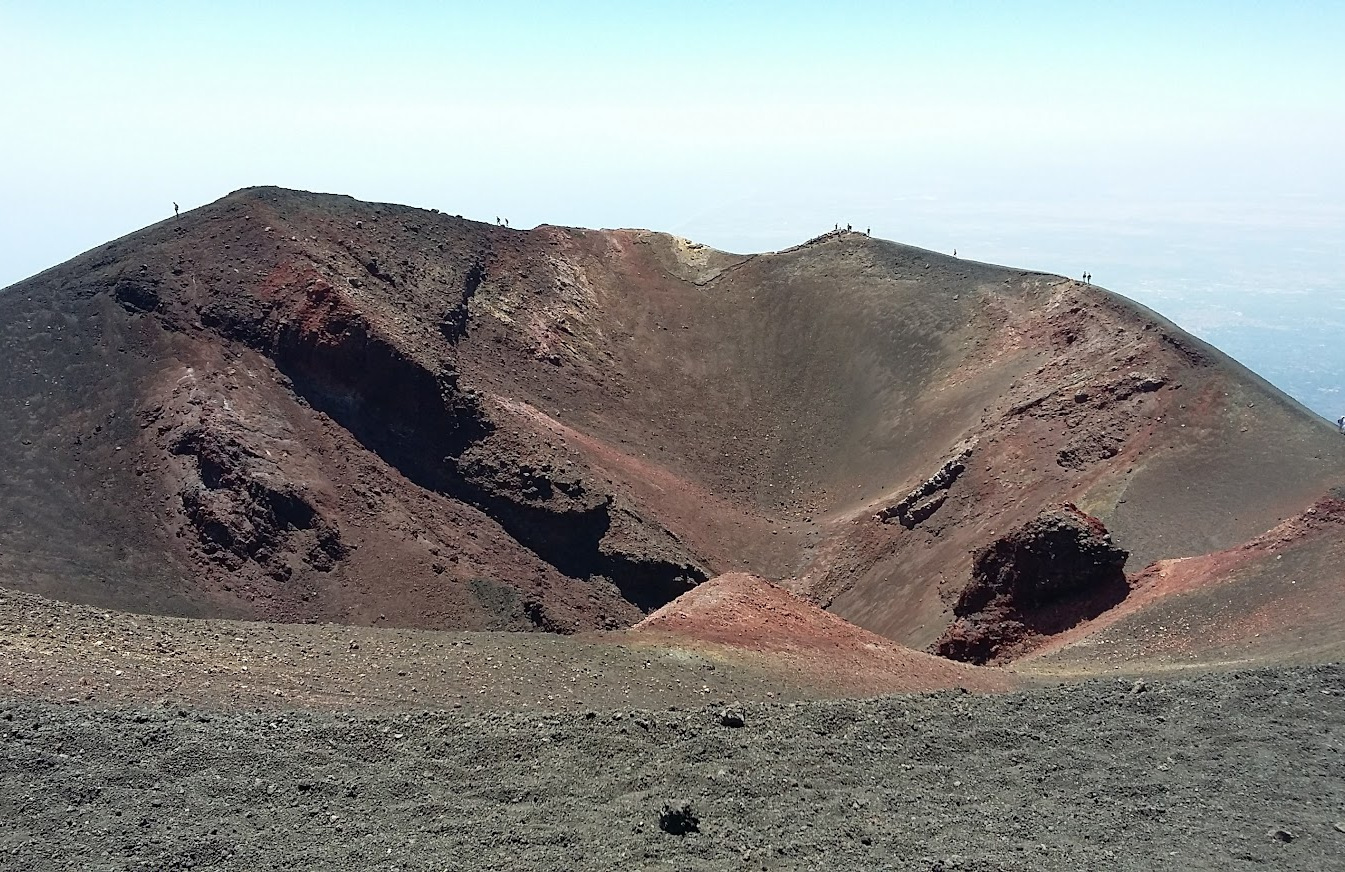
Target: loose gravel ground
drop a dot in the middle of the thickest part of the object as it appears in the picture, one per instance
(1219, 771)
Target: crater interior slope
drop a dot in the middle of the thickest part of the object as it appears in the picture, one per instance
(299, 407)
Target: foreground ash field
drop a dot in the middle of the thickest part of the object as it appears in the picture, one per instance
(281, 472)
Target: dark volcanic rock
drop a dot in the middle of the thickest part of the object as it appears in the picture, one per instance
(678, 819)
(1055, 571)
(920, 504)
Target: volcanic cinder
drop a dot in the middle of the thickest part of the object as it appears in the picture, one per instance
(272, 467)
(298, 407)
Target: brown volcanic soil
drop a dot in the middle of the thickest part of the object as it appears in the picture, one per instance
(82, 655)
(301, 407)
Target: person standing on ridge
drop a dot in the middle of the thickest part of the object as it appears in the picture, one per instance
(176, 214)
(1340, 424)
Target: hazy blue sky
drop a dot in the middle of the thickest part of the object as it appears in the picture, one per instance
(1043, 134)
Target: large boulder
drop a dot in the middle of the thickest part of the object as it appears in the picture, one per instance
(1060, 568)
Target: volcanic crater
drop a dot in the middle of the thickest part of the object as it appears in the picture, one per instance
(299, 407)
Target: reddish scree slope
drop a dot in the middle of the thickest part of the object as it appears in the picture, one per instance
(741, 616)
(304, 407)
(1273, 599)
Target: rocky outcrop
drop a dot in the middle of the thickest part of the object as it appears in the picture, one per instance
(243, 512)
(922, 502)
(413, 412)
(1053, 572)
(240, 510)
(559, 514)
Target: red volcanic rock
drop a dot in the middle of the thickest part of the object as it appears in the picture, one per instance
(752, 617)
(1048, 575)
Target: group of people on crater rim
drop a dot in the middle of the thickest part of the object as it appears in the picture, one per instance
(1088, 278)
(868, 231)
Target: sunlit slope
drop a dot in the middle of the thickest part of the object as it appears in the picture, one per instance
(297, 406)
